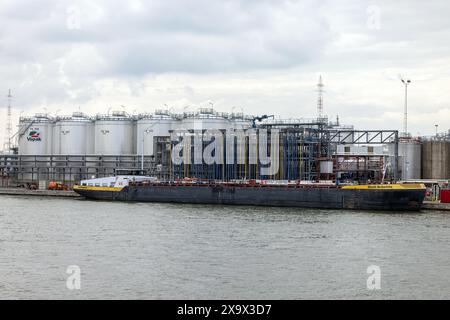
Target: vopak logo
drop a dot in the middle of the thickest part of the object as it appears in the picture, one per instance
(34, 135)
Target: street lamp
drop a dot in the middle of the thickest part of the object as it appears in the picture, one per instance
(406, 82)
(436, 125)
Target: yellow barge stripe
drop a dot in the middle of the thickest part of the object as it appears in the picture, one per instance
(406, 186)
(92, 188)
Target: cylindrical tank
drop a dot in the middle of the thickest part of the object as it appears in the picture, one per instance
(35, 135)
(410, 158)
(239, 122)
(35, 143)
(114, 134)
(71, 135)
(436, 159)
(205, 119)
(149, 126)
(326, 166)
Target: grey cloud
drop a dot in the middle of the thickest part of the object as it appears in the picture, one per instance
(184, 36)
(116, 39)
(57, 52)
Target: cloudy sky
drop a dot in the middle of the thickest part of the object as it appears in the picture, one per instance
(260, 55)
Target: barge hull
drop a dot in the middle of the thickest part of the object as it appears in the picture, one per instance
(321, 198)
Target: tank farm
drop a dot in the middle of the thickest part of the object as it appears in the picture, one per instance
(68, 149)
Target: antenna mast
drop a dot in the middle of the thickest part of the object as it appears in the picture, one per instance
(320, 91)
(8, 132)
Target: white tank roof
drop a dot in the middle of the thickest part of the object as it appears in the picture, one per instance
(115, 115)
(76, 117)
(38, 117)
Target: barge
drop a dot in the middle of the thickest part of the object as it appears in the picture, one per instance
(386, 197)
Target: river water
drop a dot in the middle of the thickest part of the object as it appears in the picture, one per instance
(167, 251)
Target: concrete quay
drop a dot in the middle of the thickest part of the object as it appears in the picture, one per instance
(435, 205)
(43, 193)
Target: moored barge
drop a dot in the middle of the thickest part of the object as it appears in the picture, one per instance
(398, 197)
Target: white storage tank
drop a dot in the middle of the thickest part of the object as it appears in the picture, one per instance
(35, 135)
(72, 135)
(149, 126)
(35, 139)
(114, 134)
(205, 119)
(326, 166)
(239, 121)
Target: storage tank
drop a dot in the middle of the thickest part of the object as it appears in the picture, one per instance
(436, 159)
(410, 158)
(35, 135)
(149, 126)
(114, 134)
(72, 134)
(205, 119)
(238, 121)
(35, 139)
(326, 166)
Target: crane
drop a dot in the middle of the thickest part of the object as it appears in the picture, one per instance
(261, 118)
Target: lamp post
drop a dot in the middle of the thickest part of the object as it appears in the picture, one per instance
(436, 125)
(406, 82)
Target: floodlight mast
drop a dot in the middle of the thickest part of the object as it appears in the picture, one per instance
(406, 82)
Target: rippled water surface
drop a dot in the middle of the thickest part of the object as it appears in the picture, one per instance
(166, 251)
